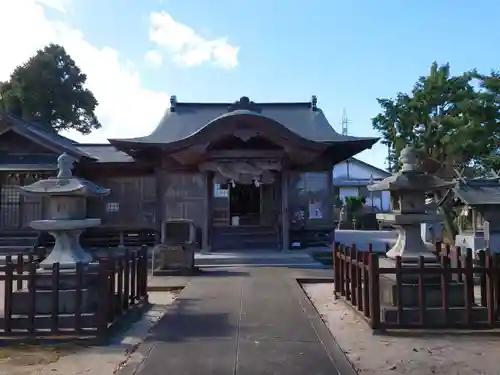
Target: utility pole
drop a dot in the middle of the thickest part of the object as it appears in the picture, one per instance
(345, 123)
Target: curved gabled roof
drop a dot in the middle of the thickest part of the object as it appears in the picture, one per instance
(183, 120)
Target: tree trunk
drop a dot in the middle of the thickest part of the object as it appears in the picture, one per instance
(449, 224)
(447, 210)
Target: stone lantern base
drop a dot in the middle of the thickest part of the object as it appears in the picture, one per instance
(410, 247)
(67, 292)
(432, 296)
(174, 260)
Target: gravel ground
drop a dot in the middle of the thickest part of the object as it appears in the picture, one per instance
(70, 359)
(443, 354)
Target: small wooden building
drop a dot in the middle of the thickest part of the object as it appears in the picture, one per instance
(479, 215)
(247, 173)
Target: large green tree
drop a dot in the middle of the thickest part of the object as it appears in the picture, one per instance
(490, 94)
(50, 88)
(452, 120)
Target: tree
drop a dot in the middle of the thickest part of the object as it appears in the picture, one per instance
(490, 91)
(352, 207)
(354, 204)
(49, 88)
(451, 120)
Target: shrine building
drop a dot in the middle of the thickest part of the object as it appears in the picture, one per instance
(248, 174)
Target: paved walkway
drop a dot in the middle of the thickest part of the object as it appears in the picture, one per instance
(253, 321)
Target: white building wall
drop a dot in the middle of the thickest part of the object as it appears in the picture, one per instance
(354, 171)
(348, 192)
(386, 201)
(358, 174)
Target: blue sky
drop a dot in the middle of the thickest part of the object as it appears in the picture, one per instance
(347, 53)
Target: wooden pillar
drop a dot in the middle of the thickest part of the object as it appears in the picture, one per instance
(3, 178)
(330, 199)
(207, 208)
(20, 223)
(285, 220)
(160, 206)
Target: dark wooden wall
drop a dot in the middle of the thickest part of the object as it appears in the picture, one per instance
(307, 190)
(13, 143)
(16, 210)
(184, 196)
(130, 204)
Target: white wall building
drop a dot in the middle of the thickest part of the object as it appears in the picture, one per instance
(351, 177)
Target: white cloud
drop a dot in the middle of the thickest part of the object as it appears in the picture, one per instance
(126, 108)
(187, 47)
(153, 58)
(59, 5)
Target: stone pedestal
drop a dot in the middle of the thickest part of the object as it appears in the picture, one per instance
(432, 295)
(67, 292)
(173, 260)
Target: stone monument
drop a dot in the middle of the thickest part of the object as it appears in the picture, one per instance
(66, 197)
(176, 250)
(408, 189)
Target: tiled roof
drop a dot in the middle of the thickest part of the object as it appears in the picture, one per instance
(186, 119)
(479, 192)
(105, 153)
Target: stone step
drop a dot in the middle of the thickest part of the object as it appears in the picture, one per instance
(227, 246)
(15, 249)
(257, 258)
(18, 241)
(245, 238)
(247, 233)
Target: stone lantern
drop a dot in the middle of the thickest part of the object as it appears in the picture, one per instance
(408, 188)
(400, 299)
(66, 196)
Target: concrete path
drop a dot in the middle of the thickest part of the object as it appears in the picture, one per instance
(252, 321)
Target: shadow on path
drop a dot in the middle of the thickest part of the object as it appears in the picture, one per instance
(191, 319)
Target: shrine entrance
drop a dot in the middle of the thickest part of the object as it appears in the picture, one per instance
(245, 216)
(245, 204)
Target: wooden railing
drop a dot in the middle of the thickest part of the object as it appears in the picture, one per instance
(358, 274)
(117, 286)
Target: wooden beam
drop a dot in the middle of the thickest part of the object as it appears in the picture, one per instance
(258, 154)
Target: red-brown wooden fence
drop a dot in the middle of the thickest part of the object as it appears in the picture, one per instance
(120, 284)
(357, 277)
